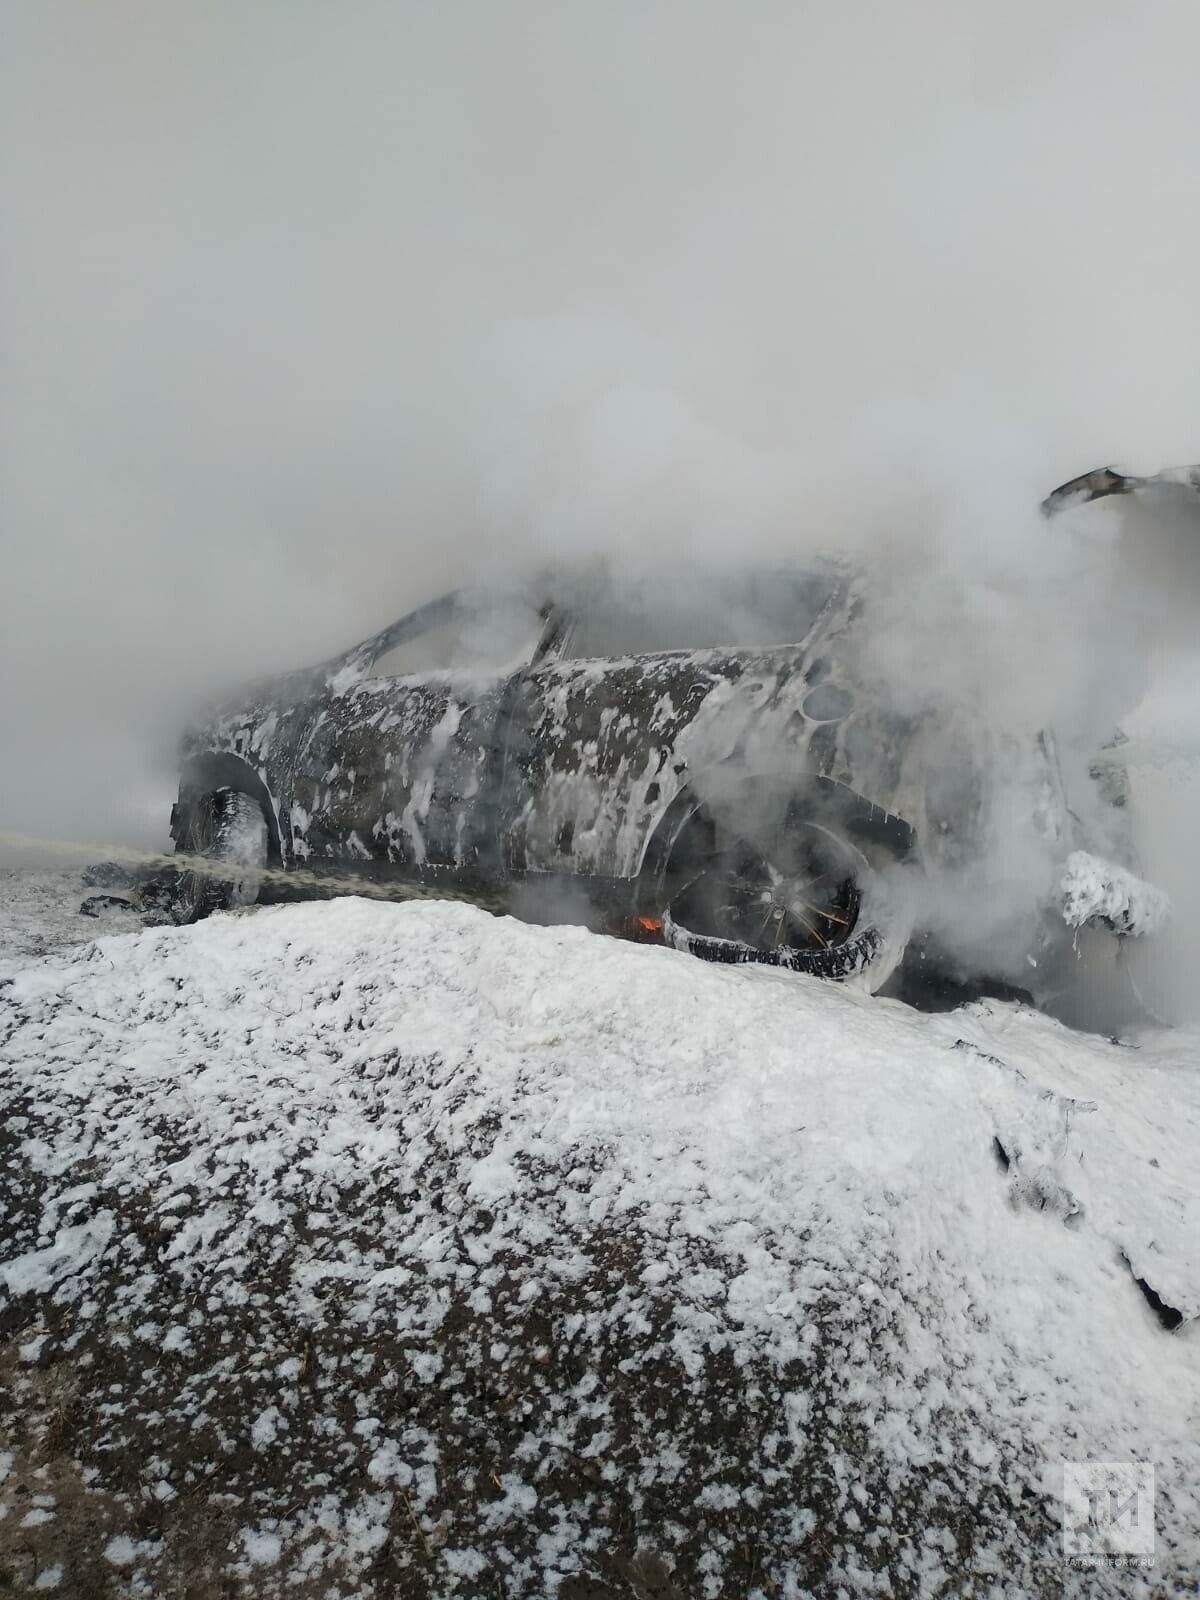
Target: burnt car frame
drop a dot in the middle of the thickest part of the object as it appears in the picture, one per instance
(644, 792)
(757, 801)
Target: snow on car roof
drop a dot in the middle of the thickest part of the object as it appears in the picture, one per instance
(430, 1232)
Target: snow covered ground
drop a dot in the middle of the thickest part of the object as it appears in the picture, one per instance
(39, 911)
(367, 1249)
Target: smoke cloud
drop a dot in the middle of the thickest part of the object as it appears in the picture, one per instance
(311, 313)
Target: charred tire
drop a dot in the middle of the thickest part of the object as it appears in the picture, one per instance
(796, 889)
(227, 830)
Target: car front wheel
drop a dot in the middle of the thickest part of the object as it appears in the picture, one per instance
(226, 836)
(789, 890)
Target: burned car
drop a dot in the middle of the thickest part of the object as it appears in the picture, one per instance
(572, 758)
(712, 770)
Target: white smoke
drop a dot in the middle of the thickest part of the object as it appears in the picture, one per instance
(312, 313)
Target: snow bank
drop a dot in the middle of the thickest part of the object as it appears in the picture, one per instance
(422, 1252)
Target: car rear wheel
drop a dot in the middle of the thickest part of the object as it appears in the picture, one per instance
(792, 890)
(227, 832)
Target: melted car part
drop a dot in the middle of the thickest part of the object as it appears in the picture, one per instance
(559, 780)
(1104, 481)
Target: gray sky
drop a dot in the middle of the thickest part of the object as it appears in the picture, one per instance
(309, 309)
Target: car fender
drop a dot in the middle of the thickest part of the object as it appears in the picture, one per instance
(221, 769)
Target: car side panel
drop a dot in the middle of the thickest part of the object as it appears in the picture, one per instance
(568, 768)
(398, 771)
(600, 749)
(392, 771)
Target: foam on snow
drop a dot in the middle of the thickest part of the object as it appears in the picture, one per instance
(524, 1248)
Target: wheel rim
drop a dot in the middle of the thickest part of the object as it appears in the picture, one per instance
(220, 831)
(798, 891)
(194, 887)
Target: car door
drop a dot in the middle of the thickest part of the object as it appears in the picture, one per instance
(603, 739)
(400, 762)
(595, 755)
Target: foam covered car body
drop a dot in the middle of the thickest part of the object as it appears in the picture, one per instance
(722, 770)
